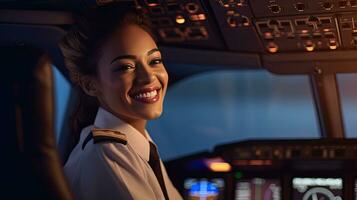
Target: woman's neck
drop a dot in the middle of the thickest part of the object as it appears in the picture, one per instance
(138, 124)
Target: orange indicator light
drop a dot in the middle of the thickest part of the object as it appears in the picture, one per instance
(199, 17)
(309, 46)
(180, 19)
(217, 165)
(333, 44)
(220, 167)
(272, 47)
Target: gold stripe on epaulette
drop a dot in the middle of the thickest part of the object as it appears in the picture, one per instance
(110, 134)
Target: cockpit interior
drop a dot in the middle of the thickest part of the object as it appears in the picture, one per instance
(245, 53)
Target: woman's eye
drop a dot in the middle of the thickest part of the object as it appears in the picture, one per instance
(124, 68)
(156, 61)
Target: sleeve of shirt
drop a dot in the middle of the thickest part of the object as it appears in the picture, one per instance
(110, 171)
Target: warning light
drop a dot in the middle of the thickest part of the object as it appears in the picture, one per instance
(152, 3)
(180, 19)
(220, 167)
(198, 17)
(268, 36)
(333, 44)
(309, 46)
(217, 165)
(272, 47)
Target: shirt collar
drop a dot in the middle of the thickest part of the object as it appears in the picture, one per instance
(136, 140)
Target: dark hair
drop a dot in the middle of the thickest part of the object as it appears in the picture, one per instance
(81, 48)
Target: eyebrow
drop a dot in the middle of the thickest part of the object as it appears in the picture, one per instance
(132, 56)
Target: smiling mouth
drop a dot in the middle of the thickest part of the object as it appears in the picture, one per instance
(146, 96)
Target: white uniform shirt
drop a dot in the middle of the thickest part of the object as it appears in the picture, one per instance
(111, 170)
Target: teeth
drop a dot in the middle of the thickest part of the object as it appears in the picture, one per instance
(146, 95)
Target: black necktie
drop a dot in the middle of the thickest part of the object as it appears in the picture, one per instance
(154, 162)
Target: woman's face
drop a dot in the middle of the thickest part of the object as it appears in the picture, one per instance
(131, 80)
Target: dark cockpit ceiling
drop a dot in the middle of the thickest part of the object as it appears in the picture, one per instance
(317, 38)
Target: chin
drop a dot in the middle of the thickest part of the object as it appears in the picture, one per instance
(151, 115)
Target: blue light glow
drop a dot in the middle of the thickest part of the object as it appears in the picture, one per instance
(203, 189)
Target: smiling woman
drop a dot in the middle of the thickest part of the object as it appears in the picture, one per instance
(121, 80)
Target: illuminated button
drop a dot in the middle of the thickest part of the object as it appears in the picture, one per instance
(152, 3)
(240, 3)
(220, 167)
(304, 31)
(232, 22)
(180, 19)
(333, 44)
(199, 17)
(245, 21)
(309, 46)
(272, 47)
(268, 35)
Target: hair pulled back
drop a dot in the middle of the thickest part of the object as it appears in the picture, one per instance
(81, 48)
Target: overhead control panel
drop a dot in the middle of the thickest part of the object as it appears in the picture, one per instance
(304, 25)
(255, 26)
(235, 21)
(271, 8)
(184, 22)
(303, 33)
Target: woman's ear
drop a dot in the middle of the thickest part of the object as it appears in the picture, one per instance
(88, 85)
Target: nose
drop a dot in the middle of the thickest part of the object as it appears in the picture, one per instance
(145, 74)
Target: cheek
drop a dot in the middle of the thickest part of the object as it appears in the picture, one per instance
(163, 76)
(114, 88)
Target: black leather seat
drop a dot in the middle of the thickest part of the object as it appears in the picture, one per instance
(30, 165)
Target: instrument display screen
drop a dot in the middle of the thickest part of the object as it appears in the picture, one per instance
(317, 188)
(258, 189)
(204, 189)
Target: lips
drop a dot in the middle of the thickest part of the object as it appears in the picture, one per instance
(146, 95)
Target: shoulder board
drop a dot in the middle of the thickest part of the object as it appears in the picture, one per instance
(108, 135)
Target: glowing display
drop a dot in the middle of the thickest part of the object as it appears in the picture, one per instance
(204, 189)
(258, 189)
(317, 188)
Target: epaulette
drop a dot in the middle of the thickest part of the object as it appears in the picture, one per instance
(105, 135)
